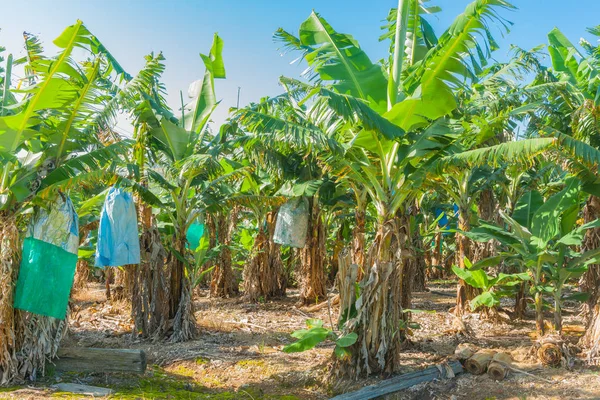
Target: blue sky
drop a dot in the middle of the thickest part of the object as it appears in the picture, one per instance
(184, 28)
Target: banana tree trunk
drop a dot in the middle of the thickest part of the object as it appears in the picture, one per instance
(124, 280)
(557, 311)
(590, 283)
(358, 242)
(312, 257)
(210, 227)
(223, 283)
(418, 262)
(82, 271)
(150, 294)
(380, 322)
(418, 281)
(520, 301)
(408, 258)
(27, 341)
(181, 307)
(264, 276)
(9, 269)
(150, 285)
(521, 295)
(487, 212)
(292, 267)
(109, 276)
(464, 293)
(539, 314)
(338, 246)
(82, 276)
(591, 339)
(38, 340)
(436, 268)
(177, 273)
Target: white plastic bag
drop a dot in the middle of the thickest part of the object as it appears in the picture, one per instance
(292, 223)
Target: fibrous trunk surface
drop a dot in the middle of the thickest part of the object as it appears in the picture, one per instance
(223, 282)
(9, 267)
(346, 280)
(312, 257)
(150, 301)
(38, 340)
(358, 242)
(124, 277)
(384, 293)
(418, 265)
(181, 310)
(82, 271)
(465, 293)
(82, 275)
(27, 341)
(590, 282)
(264, 275)
(434, 260)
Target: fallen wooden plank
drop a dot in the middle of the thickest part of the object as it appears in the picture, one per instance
(442, 293)
(87, 359)
(86, 390)
(400, 382)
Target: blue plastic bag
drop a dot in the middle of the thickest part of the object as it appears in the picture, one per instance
(118, 239)
(443, 222)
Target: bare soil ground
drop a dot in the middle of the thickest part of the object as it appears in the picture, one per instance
(238, 353)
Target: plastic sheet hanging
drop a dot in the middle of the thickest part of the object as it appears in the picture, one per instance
(292, 223)
(118, 238)
(49, 259)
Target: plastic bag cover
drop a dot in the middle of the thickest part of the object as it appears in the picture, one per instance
(118, 240)
(292, 223)
(49, 259)
(45, 278)
(59, 225)
(194, 234)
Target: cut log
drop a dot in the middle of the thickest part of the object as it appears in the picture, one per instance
(404, 381)
(550, 354)
(85, 390)
(478, 363)
(317, 307)
(499, 366)
(81, 359)
(464, 351)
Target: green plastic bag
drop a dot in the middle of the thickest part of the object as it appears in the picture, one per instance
(194, 234)
(49, 259)
(45, 278)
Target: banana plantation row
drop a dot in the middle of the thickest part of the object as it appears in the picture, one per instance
(432, 163)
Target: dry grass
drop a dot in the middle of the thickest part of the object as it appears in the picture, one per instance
(239, 350)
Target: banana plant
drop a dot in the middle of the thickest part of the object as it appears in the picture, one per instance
(182, 164)
(569, 101)
(53, 136)
(264, 276)
(285, 142)
(539, 238)
(390, 121)
(60, 114)
(492, 287)
(570, 89)
(318, 333)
